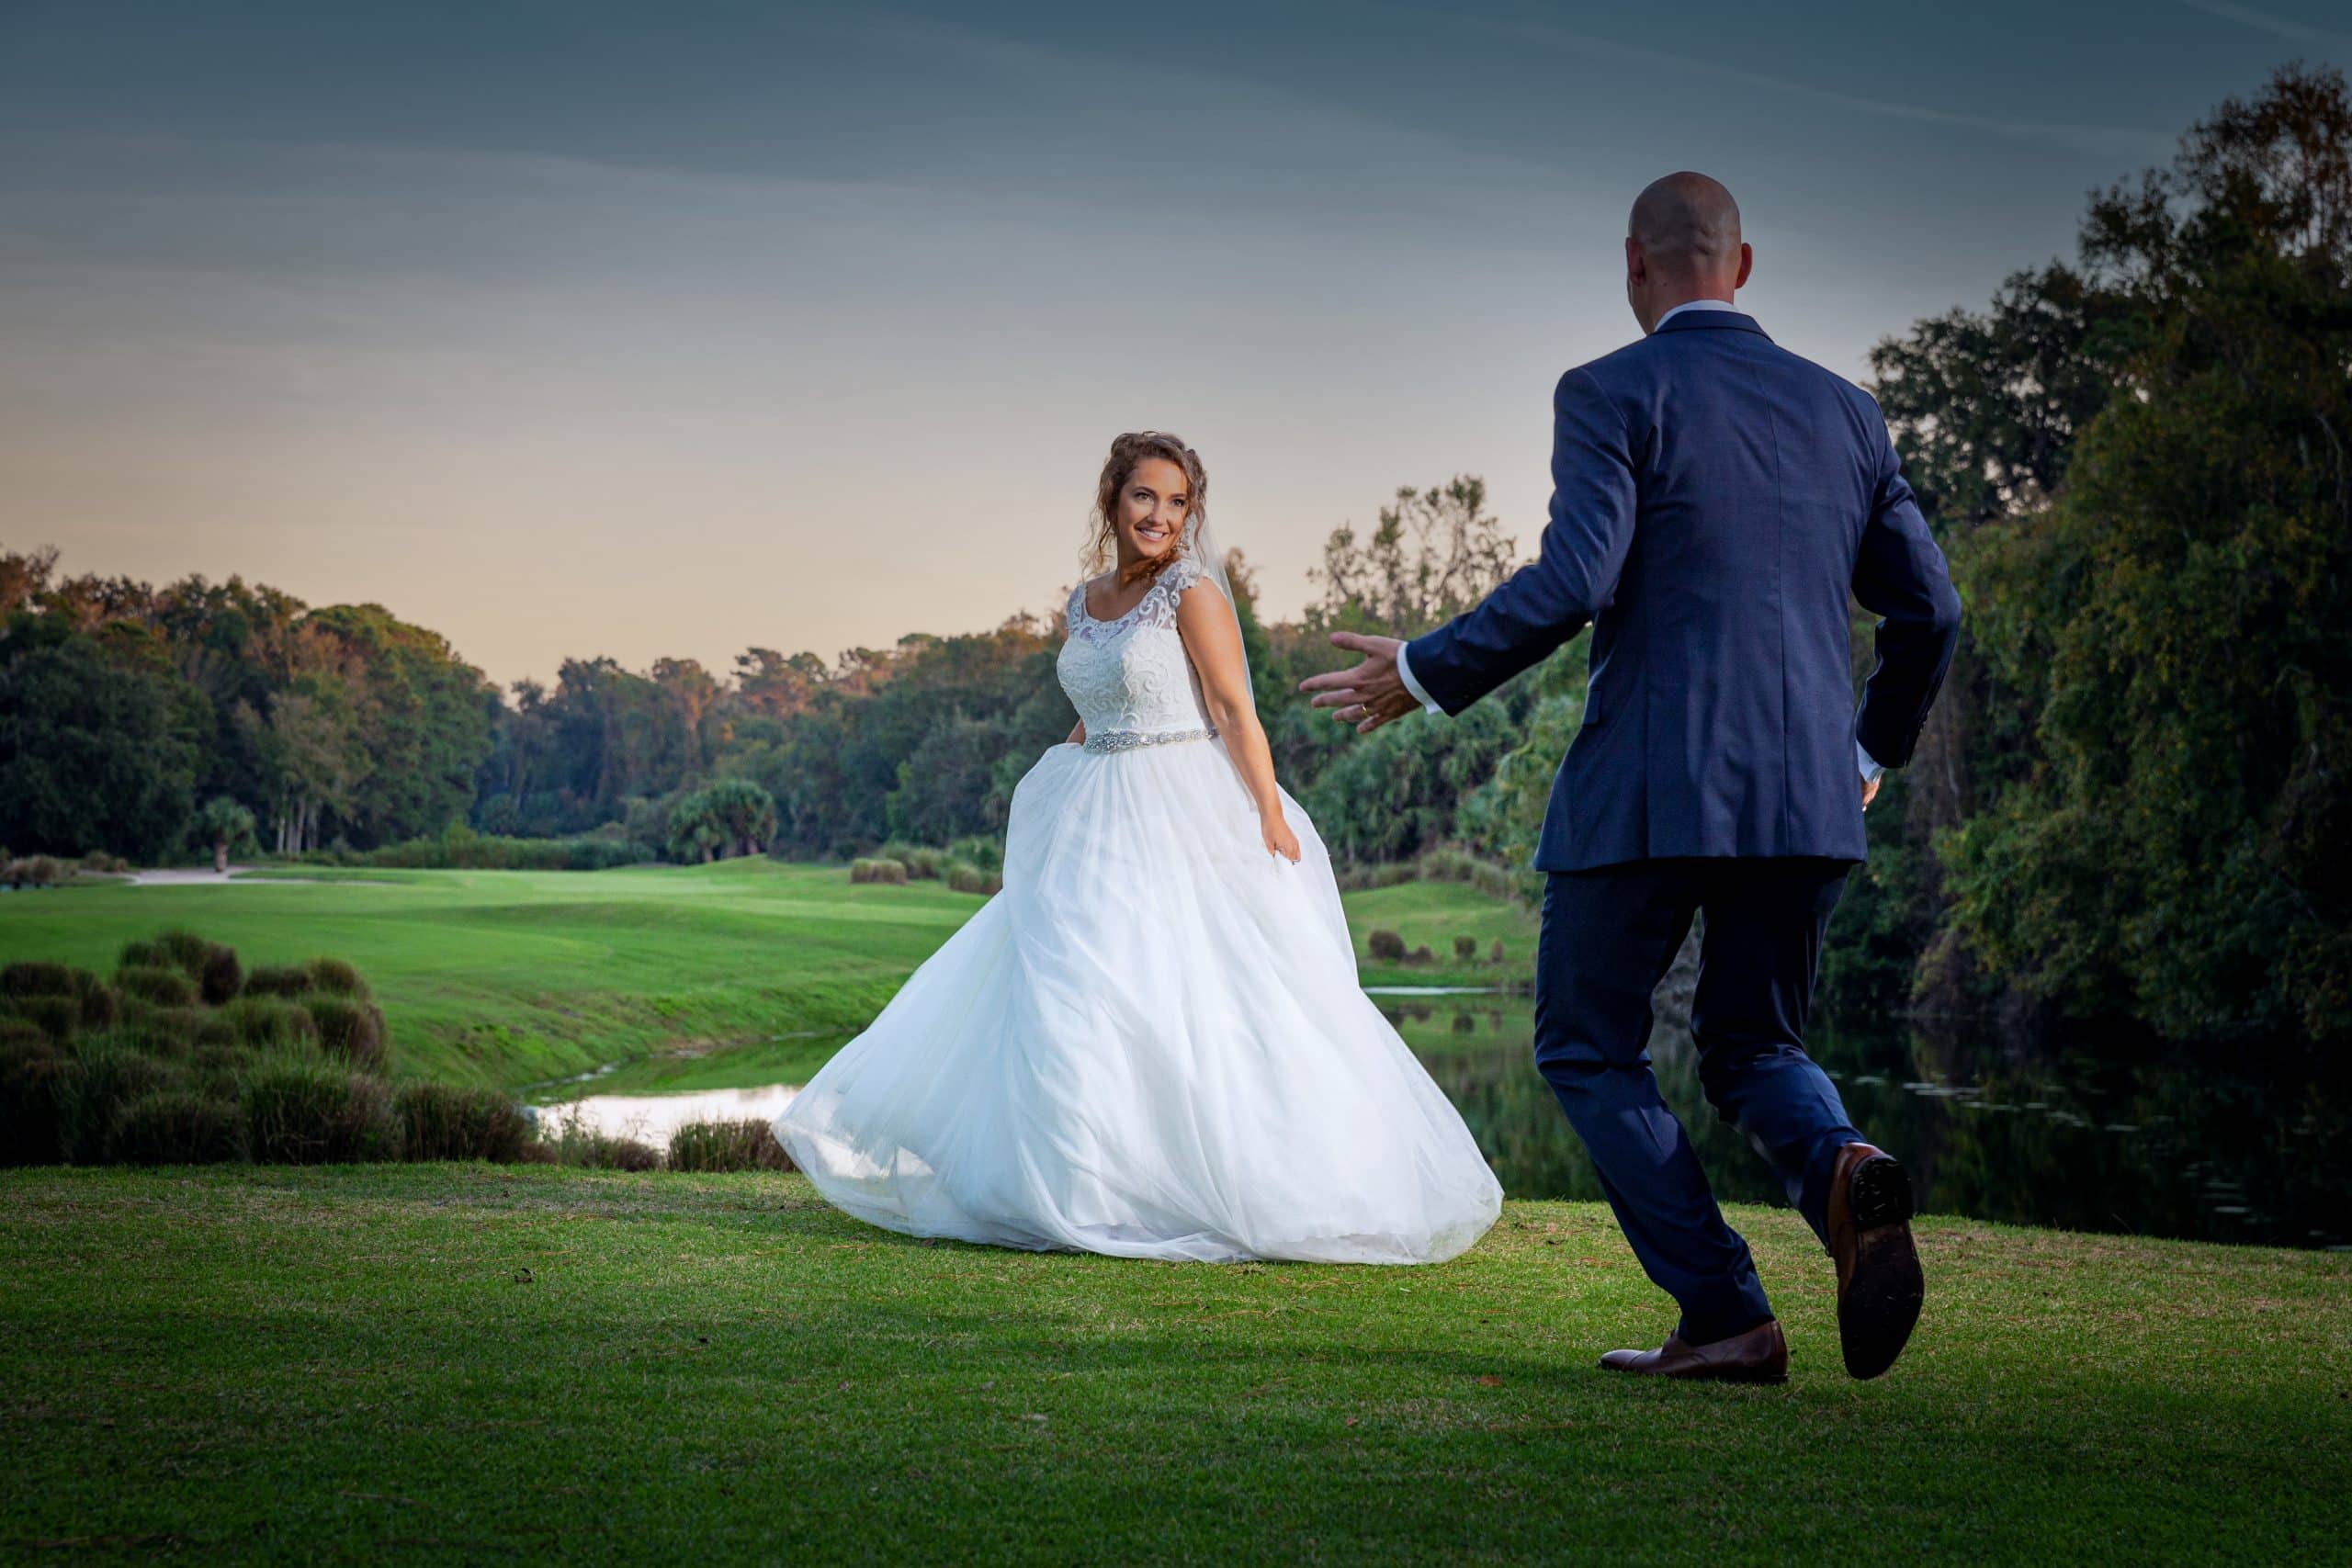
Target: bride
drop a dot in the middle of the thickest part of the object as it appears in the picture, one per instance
(1151, 1042)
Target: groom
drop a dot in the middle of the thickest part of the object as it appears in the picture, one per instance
(1714, 498)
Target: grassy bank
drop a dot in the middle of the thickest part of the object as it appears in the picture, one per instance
(511, 978)
(455, 1363)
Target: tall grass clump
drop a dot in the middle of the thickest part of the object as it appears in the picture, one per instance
(963, 876)
(186, 1059)
(923, 863)
(444, 1122)
(748, 1145)
(156, 985)
(349, 1029)
(176, 1126)
(278, 981)
(981, 850)
(211, 966)
(566, 1138)
(267, 1023)
(300, 1111)
(890, 871)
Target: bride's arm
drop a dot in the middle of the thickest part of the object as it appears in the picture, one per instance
(1077, 733)
(1212, 640)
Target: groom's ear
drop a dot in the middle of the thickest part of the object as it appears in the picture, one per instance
(1746, 264)
(1636, 264)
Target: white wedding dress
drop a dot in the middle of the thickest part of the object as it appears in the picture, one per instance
(1151, 1042)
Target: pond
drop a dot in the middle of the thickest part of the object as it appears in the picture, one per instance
(2157, 1149)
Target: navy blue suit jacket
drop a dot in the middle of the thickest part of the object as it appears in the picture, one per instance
(1714, 496)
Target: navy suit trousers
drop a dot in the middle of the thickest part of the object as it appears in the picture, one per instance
(1610, 934)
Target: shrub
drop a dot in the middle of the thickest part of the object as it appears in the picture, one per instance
(1495, 953)
(55, 1017)
(444, 1122)
(923, 862)
(749, 1145)
(567, 1139)
(176, 1126)
(964, 878)
(36, 1080)
(162, 1030)
(185, 950)
(982, 851)
(221, 976)
(100, 1007)
(262, 1022)
(884, 871)
(1385, 945)
(335, 975)
(154, 983)
(489, 851)
(95, 1006)
(39, 871)
(1359, 877)
(278, 980)
(1466, 948)
(351, 1030)
(1421, 955)
(37, 977)
(112, 1074)
(216, 1064)
(318, 1113)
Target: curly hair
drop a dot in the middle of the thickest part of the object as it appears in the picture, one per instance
(1136, 447)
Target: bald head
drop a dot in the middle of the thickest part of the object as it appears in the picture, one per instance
(1682, 242)
(1687, 220)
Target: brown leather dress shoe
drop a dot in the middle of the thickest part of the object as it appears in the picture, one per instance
(1761, 1354)
(1879, 1284)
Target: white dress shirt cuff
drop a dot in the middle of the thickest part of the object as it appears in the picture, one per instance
(1405, 674)
(1862, 759)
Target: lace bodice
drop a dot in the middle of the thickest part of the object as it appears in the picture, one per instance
(1129, 678)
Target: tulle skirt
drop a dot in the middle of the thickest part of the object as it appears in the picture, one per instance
(1151, 1044)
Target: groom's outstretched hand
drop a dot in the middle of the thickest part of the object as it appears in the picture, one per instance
(1368, 695)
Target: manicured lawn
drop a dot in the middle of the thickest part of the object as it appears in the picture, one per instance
(1430, 915)
(467, 1363)
(508, 978)
(512, 978)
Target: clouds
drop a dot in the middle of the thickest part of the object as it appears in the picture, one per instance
(578, 328)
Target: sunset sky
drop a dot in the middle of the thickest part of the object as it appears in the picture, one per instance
(573, 329)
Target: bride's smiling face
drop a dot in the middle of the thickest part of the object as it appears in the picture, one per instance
(1149, 517)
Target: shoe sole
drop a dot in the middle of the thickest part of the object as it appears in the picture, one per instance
(1728, 1375)
(1883, 1296)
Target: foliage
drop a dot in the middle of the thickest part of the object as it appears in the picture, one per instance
(444, 1122)
(119, 704)
(733, 816)
(225, 825)
(728, 1145)
(461, 849)
(100, 745)
(2173, 623)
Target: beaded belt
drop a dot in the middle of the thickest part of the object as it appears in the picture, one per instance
(1125, 739)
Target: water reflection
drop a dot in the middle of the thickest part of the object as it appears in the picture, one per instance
(2254, 1152)
(2084, 1143)
(651, 1118)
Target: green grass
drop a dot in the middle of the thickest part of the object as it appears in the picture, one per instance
(1431, 914)
(460, 1363)
(509, 977)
